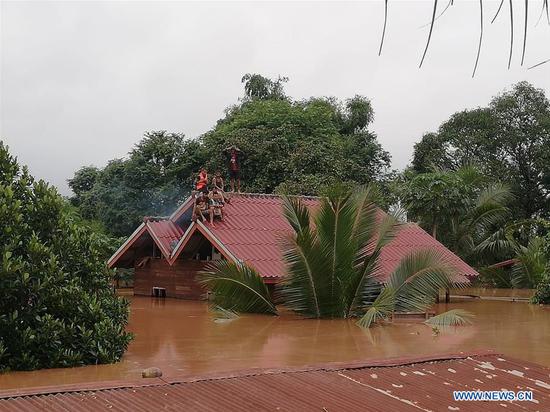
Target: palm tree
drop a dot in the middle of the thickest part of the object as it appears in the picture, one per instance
(531, 264)
(333, 265)
(475, 231)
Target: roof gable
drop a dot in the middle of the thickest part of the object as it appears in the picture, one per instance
(164, 233)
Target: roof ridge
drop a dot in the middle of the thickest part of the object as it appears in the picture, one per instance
(252, 194)
(155, 218)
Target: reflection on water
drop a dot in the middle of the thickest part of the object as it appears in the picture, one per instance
(182, 338)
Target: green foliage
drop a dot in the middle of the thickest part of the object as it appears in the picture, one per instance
(461, 209)
(332, 260)
(57, 306)
(237, 287)
(453, 317)
(154, 179)
(290, 147)
(542, 292)
(412, 287)
(299, 147)
(509, 140)
(532, 264)
(257, 86)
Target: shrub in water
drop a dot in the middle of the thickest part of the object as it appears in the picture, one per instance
(57, 304)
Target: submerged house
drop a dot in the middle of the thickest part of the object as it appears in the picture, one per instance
(169, 252)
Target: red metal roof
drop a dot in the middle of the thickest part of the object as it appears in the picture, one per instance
(166, 234)
(255, 224)
(405, 384)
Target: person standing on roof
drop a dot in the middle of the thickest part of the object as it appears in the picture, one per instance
(234, 156)
(202, 181)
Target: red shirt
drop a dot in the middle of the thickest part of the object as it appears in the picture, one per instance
(234, 161)
(203, 180)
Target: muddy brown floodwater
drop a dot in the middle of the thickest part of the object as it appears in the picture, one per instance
(183, 338)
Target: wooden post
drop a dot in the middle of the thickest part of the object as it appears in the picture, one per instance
(447, 295)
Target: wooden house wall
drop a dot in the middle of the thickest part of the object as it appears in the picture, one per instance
(179, 280)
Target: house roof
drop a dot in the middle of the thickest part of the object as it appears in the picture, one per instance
(255, 225)
(402, 384)
(164, 232)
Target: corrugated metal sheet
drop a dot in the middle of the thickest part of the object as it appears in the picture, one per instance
(420, 384)
(166, 233)
(255, 225)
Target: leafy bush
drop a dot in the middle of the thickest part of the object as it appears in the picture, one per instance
(57, 304)
(542, 292)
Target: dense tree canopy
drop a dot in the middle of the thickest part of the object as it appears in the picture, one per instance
(152, 180)
(483, 173)
(57, 305)
(289, 146)
(463, 209)
(509, 140)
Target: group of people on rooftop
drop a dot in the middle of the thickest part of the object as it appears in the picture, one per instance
(210, 195)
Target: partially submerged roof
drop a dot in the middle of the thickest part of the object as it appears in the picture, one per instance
(255, 224)
(164, 232)
(403, 384)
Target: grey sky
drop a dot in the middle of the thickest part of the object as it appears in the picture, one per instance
(81, 81)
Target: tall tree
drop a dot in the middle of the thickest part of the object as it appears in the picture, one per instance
(153, 180)
(462, 209)
(509, 140)
(290, 147)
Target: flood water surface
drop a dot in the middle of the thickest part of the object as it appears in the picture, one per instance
(183, 338)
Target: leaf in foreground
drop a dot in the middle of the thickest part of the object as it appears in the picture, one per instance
(237, 287)
(453, 317)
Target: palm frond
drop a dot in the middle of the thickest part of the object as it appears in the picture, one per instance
(418, 279)
(498, 11)
(306, 265)
(222, 313)
(531, 264)
(366, 215)
(480, 37)
(511, 33)
(237, 287)
(542, 10)
(453, 317)
(380, 309)
(497, 242)
(335, 225)
(384, 28)
(305, 279)
(449, 4)
(539, 64)
(430, 33)
(296, 214)
(374, 230)
(525, 31)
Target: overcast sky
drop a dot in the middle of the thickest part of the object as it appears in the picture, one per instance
(81, 81)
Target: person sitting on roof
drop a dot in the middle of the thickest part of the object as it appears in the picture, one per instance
(218, 183)
(202, 181)
(200, 208)
(216, 203)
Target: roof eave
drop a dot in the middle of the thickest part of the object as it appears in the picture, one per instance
(141, 229)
